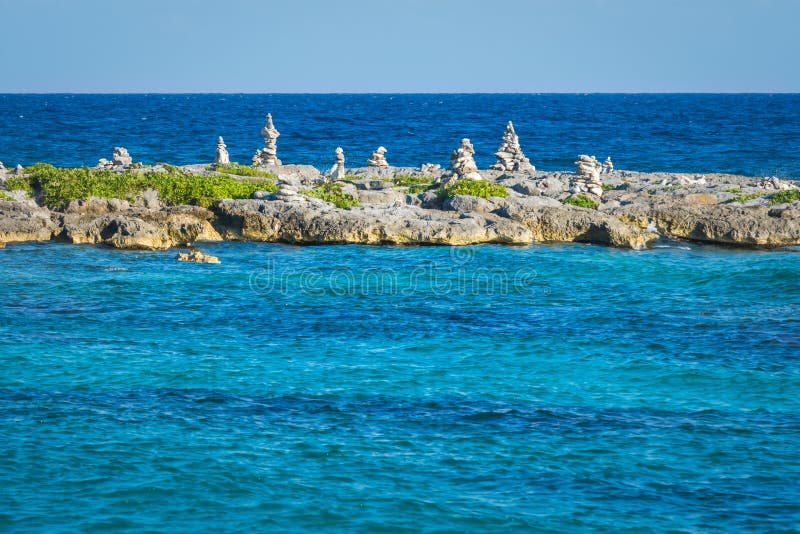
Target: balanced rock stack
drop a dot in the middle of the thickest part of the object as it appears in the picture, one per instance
(378, 158)
(337, 171)
(509, 155)
(587, 176)
(462, 164)
(120, 159)
(2, 167)
(18, 170)
(269, 154)
(287, 191)
(608, 166)
(222, 157)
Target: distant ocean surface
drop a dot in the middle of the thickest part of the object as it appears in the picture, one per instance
(547, 388)
(751, 134)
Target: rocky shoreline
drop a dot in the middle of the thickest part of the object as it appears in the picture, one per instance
(635, 210)
(132, 206)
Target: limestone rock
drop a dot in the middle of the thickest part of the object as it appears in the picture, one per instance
(378, 158)
(269, 154)
(509, 155)
(337, 171)
(587, 177)
(462, 164)
(222, 157)
(196, 256)
(25, 221)
(429, 167)
(120, 159)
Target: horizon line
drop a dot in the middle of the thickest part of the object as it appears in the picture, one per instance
(332, 93)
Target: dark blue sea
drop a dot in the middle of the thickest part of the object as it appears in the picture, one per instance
(755, 135)
(547, 388)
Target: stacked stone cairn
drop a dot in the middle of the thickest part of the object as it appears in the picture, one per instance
(378, 158)
(287, 191)
(120, 159)
(462, 164)
(269, 154)
(337, 171)
(587, 177)
(608, 166)
(509, 155)
(222, 157)
(18, 170)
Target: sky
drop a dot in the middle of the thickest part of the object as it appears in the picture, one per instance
(400, 46)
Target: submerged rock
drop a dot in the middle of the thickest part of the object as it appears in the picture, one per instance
(196, 256)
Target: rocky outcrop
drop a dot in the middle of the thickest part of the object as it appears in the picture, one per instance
(509, 155)
(337, 172)
(25, 221)
(222, 157)
(140, 228)
(269, 154)
(730, 224)
(378, 158)
(587, 177)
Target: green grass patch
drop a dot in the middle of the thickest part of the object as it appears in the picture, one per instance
(475, 188)
(734, 190)
(421, 188)
(242, 170)
(350, 178)
(58, 187)
(4, 196)
(581, 201)
(19, 183)
(609, 187)
(170, 168)
(332, 192)
(789, 195)
(744, 198)
(406, 180)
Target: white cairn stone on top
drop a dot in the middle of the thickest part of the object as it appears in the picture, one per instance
(378, 158)
(587, 177)
(269, 154)
(337, 171)
(509, 155)
(222, 157)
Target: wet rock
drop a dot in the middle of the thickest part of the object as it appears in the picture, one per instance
(196, 256)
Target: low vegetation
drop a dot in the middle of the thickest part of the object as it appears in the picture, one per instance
(407, 180)
(421, 188)
(332, 192)
(581, 201)
(18, 183)
(790, 195)
(734, 190)
(475, 188)
(242, 170)
(4, 196)
(744, 198)
(58, 186)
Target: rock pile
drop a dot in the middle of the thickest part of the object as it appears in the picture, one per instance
(429, 167)
(378, 158)
(120, 159)
(587, 177)
(269, 154)
(774, 183)
(222, 157)
(337, 171)
(287, 191)
(608, 166)
(509, 155)
(462, 164)
(18, 170)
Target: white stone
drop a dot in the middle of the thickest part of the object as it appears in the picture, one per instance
(269, 154)
(121, 158)
(378, 158)
(462, 164)
(222, 157)
(337, 171)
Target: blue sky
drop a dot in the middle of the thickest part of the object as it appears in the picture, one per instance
(265, 46)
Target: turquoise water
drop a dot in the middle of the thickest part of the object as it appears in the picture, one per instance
(543, 388)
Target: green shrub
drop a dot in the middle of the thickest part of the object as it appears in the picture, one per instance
(170, 168)
(19, 183)
(242, 170)
(735, 190)
(4, 196)
(421, 188)
(581, 201)
(609, 187)
(406, 180)
(332, 192)
(60, 186)
(790, 195)
(744, 198)
(475, 188)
